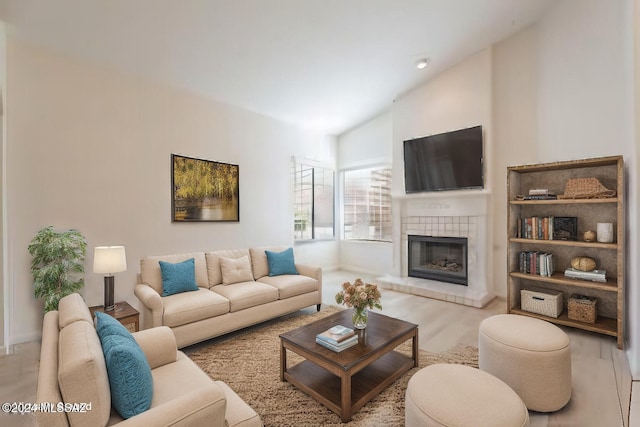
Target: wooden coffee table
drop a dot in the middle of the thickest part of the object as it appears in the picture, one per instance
(344, 382)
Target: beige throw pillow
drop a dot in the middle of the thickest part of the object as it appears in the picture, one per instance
(235, 270)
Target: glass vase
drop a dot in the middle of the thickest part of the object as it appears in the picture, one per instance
(360, 317)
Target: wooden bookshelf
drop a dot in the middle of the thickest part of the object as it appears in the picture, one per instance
(608, 256)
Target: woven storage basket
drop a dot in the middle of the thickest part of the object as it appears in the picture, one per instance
(583, 308)
(546, 302)
(586, 188)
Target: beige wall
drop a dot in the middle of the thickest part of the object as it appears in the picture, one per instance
(88, 148)
(515, 119)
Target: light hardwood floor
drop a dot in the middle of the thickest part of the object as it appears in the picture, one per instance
(601, 380)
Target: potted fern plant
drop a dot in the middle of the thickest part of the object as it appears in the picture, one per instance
(57, 265)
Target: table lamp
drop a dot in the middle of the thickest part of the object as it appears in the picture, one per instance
(109, 260)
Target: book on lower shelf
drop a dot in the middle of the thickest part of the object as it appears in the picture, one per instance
(348, 343)
(593, 275)
(536, 262)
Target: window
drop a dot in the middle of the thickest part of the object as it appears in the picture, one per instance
(313, 202)
(367, 204)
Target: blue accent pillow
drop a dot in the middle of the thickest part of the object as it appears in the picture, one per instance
(129, 372)
(179, 277)
(281, 262)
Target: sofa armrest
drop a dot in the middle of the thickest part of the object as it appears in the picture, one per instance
(316, 273)
(158, 344)
(310, 271)
(152, 305)
(203, 406)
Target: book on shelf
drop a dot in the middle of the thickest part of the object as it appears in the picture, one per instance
(348, 343)
(536, 262)
(336, 334)
(536, 227)
(539, 192)
(593, 275)
(540, 197)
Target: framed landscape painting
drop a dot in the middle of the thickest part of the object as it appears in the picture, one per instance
(204, 190)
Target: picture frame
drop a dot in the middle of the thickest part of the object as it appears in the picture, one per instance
(204, 190)
(565, 228)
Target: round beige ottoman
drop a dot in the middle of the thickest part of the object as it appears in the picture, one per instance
(531, 355)
(458, 395)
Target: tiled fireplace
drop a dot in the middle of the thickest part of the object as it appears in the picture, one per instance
(462, 216)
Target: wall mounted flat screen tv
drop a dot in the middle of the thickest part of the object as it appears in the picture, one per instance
(446, 161)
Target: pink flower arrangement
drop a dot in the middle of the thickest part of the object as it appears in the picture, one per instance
(359, 295)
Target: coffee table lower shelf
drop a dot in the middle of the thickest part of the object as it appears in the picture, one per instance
(325, 387)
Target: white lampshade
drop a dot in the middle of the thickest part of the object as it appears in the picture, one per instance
(109, 259)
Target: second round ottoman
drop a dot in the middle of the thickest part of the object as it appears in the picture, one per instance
(531, 355)
(459, 396)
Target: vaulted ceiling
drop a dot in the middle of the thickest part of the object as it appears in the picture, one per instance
(325, 64)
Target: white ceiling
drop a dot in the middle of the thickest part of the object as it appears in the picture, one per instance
(325, 64)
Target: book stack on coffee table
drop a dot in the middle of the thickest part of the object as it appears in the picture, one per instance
(337, 338)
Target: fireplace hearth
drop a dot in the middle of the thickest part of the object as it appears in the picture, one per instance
(438, 258)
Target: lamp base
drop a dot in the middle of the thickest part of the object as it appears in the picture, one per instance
(108, 293)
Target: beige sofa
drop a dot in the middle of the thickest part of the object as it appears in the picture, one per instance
(219, 307)
(73, 371)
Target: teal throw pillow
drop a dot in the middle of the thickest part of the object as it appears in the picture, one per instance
(179, 277)
(129, 372)
(281, 262)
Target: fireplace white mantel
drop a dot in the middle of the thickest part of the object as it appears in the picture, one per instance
(443, 214)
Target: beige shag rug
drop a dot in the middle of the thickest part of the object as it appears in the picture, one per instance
(249, 362)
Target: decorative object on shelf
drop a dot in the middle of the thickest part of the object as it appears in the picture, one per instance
(565, 228)
(542, 301)
(204, 190)
(361, 296)
(109, 260)
(583, 263)
(582, 308)
(57, 265)
(605, 232)
(589, 236)
(586, 188)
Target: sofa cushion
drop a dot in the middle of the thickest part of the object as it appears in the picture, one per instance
(291, 285)
(82, 374)
(178, 277)
(129, 372)
(247, 294)
(189, 307)
(235, 270)
(281, 262)
(214, 270)
(151, 274)
(72, 308)
(259, 262)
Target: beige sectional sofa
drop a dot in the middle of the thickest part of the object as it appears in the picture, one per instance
(73, 377)
(227, 298)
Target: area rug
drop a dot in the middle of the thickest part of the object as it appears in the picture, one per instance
(249, 362)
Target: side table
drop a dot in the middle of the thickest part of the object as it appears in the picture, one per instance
(123, 313)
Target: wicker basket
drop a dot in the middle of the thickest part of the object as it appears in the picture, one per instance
(583, 308)
(546, 302)
(586, 188)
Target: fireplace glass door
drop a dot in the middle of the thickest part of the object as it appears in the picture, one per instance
(438, 258)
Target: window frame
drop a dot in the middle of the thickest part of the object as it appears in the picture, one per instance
(315, 168)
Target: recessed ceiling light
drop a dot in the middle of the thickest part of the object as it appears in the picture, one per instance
(422, 63)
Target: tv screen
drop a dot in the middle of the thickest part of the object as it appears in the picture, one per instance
(447, 161)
